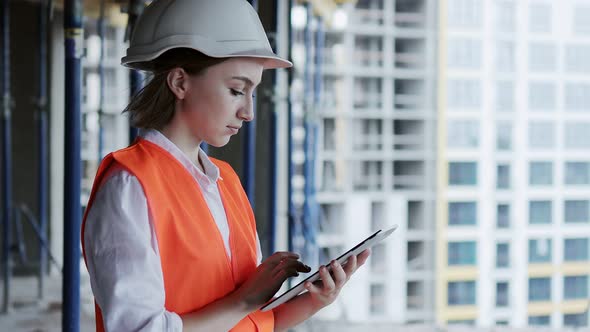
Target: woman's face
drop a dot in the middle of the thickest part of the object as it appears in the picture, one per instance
(216, 103)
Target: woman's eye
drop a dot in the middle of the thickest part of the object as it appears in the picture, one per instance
(236, 92)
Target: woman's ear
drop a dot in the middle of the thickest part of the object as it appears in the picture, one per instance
(177, 81)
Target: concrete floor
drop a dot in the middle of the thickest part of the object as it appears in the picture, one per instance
(29, 314)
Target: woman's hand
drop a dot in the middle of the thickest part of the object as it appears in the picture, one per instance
(326, 290)
(268, 278)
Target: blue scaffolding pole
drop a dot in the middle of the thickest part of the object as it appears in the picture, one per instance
(102, 35)
(6, 155)
(310, 220)
(42, 143)
(292, 219)
(74, 49)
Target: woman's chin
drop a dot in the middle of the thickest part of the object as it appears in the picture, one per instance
(218, 143)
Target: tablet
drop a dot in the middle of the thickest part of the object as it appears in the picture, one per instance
(365, 244)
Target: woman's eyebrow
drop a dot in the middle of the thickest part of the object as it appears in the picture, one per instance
(244, 79)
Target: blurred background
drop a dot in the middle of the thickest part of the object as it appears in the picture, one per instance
(465, 122)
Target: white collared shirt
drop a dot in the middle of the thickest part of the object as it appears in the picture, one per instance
(121, 247)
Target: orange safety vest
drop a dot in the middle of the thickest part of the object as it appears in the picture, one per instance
(195, 265)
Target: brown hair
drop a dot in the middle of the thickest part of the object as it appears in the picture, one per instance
(152, 107)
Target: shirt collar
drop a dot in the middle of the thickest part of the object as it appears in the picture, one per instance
(211, 170)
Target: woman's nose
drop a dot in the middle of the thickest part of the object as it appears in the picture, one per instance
(246, 112)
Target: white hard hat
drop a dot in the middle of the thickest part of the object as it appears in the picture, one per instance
(217, 28)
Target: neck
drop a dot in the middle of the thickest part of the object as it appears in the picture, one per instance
(181, 137)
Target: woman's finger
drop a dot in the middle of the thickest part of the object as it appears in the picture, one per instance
(327, 281)
(350, 266)
(362, 258)
(277, 257)
(289, 268)
(340, 277)
(312, 288)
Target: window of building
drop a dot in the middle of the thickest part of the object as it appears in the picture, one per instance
(540, 18)
(464, 94)
(540, 250)
(505, 56)
(462, 253)
(464, 13)
(462, 213)
(577, 97)
(502, 255)
(505, 16)
(577, 173)
(463, 133)
(577, 211)
(368, 134)
(369, 12)
(541, 96)
(575, 287)
(415, 294)
(329, 130)
(577, 135)
(503, 135)
(503, 215)
(367, 175)
(368, 93)
(541, 135)
(503, 176)
(581, 19)
(461, 293)
(539, 320)
(540, 212)
(330, 182)
(463, 173)
(502, 295)
(576, 320)
(575, 250)
(539, 289)
(542, 57)
(368, 51)
(541, 173)
(378, 259)
(505, 96)
(378, 300)
(576, 58)
(464, 53)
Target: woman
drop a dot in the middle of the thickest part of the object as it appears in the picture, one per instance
(169, 237)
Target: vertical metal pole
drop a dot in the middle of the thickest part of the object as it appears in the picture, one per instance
(42, 144)
(308, 222)
(273, 180)
(291, 169)
(102, 36)
(72, 209)
(6, 155)
(249, 152)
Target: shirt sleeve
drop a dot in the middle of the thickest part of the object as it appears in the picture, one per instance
(123, 259)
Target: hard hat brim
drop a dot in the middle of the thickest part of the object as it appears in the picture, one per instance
(137, 59)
